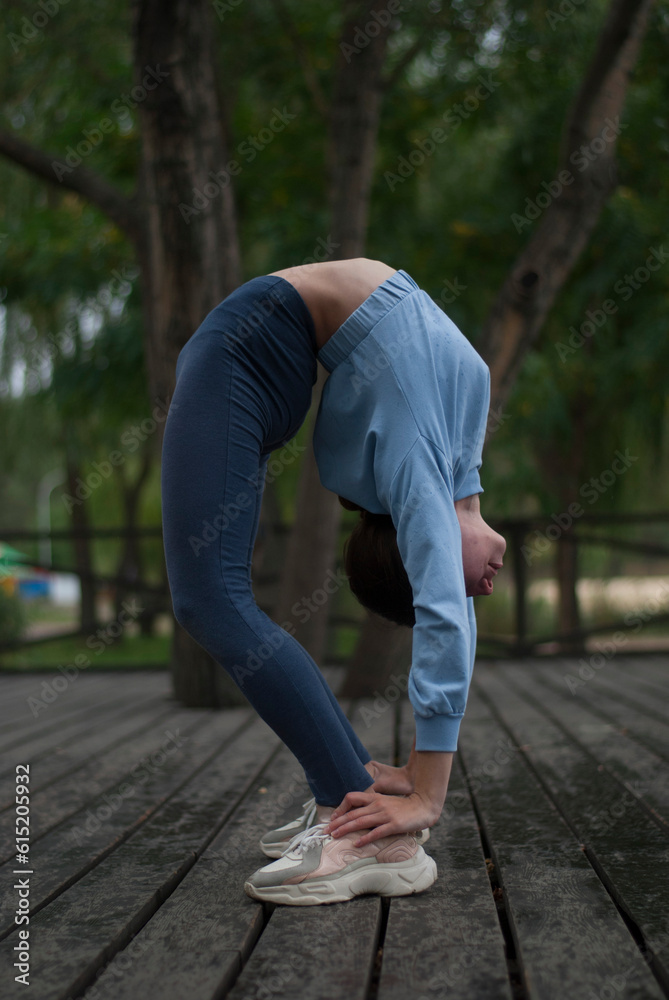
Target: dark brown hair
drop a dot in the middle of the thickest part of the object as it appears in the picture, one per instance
(374, 567)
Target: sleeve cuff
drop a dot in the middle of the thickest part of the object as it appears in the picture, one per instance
(437, 732)
(470, 485)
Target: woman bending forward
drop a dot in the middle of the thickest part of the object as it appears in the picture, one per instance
(398, 435)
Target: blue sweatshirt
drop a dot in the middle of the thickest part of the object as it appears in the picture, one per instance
(400, 430)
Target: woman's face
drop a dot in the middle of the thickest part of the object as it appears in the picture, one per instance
(482, 548)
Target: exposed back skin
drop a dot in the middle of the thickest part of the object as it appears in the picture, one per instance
(333, 289)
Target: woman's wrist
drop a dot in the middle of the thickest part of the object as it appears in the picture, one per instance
(432, 771)
(410, 766)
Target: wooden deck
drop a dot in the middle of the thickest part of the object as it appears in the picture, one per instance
(552, 852)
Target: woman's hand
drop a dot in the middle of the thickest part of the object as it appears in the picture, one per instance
(381, 815)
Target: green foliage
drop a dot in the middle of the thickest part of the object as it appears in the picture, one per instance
(12, 617)
(449, 221)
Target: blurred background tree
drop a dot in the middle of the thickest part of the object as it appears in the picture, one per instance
(91, 325)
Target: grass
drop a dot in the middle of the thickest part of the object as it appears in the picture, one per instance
(129, 651)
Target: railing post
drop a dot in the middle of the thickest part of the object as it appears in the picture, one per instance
(518, 535)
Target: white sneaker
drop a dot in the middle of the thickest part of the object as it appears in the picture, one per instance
(317, 868)
(276, 841)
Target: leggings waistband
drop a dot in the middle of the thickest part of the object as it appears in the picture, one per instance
(365, 317)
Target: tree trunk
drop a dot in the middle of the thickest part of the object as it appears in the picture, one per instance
(353, 121)
(189, 254)
(189, 249)
(383, 649)
(569, 617)
(548, 258)
(82, 552)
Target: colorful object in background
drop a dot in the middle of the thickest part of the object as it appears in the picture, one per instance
(17, 578)
(11, 560)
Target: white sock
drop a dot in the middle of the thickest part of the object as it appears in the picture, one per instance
(323, 813)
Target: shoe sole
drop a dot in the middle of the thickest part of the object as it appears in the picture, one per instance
(392, 879)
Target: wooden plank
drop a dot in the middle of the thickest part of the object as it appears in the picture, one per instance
(630, 691)
(17, 686)
(653, 668)
(206, 928)
(314, 953)
(81, 690)
(325, 950)
(609, 706)
(67, 759)
(24, 731)
(98, 776)
(626, 848)
(22, 723)
(79, 931)
(19, 720)
(56, 731)
(58, 737)
(446, 942)
(569, 937)
(640, 671)
(642, 772)
(80, 842)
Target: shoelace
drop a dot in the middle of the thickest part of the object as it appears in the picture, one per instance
(312, 835)
(309, 811)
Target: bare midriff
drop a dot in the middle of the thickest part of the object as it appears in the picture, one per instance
(333, 289)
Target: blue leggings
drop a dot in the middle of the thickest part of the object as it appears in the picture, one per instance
(243, 389)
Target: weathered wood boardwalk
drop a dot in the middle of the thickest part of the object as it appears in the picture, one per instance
(552, 851)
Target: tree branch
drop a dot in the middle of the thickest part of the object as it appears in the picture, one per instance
(608, 72)
(310, 77)
(389, 81)
(577, 198)
(120, 209)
